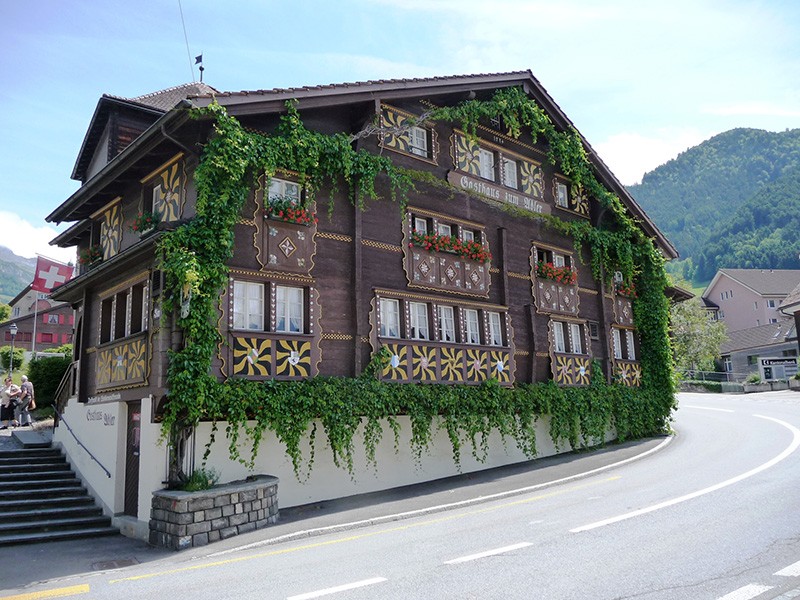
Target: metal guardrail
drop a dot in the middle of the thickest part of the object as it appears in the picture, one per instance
(715, 376)
(80, 443)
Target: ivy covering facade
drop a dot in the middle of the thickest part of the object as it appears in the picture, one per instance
(194, 258)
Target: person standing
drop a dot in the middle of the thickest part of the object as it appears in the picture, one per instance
(8, 396)
(21, 413)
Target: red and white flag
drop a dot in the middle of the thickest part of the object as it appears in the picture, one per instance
(50, 274)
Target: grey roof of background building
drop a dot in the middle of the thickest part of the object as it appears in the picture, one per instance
(759, 337)
(793, 299)
(767, 282)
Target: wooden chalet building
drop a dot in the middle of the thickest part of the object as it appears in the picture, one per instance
(320, 297)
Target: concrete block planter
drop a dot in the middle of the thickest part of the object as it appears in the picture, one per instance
(794, 384)
(181, 520)
(757, 387)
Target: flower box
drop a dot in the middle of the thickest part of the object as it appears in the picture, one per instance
(450, 243)
(564, 275)
(289, 211)
(90, 256)
(145, 222)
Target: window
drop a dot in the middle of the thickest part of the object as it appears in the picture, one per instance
(770, 303)
(495, 329)
(288, 309)
(728, 364)
(562, 197)
(467, 235)
(47, 338)
(447, 324)
(558, 260)
(617, 343)
(52, 319)
(755, 305)
(630, 345)
(594, 330)
(124, 313)
(248, 305)
(575, 338)
(558, 336)
(472, 327)
(16, 311)
(419, 321)
(487, 164)
(510, 173)
(773, 320)
(418, 141)
(444, 229)
(280, 189)
(390, 318)
(420, 225)
(752, 359)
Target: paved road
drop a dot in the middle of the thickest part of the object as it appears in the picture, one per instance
(712, 514)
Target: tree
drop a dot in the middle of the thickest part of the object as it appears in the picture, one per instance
(696, 338)
(5, 312)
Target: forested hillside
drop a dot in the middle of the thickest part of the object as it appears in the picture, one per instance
(695, 200)
(15, 274)
(763, 233)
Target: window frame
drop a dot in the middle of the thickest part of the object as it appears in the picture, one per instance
(468, 332)
(416, 150)
(495, 328)
(417, 310)
(449, 320)
(243, 297)
(384, 328)
(487, 170)
(284, 183)
(505, 161)
(288, 303)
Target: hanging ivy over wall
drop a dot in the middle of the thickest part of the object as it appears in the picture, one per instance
(195, 257)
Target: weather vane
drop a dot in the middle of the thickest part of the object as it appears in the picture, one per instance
(198, 60)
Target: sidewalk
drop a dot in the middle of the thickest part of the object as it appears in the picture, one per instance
(62, 559)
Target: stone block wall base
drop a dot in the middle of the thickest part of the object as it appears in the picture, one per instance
(181, 520)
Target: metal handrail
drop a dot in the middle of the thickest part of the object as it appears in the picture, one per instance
(80, 443)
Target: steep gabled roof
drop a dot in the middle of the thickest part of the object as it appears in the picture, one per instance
(791, 303)
(766, 282)
(273, 100)
(149, 106)
(759, 337)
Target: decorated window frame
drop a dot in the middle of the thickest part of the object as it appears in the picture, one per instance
(554, 279)
(284, 348)
(401, 132)
(164, 190)
(570, 351)
(433, 260)
(570, 197)
(446, 355)
(624, 353)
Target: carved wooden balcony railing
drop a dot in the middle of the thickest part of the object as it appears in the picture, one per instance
(122, 363)
(571, 369)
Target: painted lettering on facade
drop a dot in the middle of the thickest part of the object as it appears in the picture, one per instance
(107, 419)
(498, 193)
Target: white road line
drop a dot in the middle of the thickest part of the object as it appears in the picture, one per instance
(338, 588)
(487, 553)
(727, 410)
(746, 592)
(636, 513)
(790, 571)
(441, 507)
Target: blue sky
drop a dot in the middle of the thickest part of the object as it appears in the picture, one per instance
(642, 80)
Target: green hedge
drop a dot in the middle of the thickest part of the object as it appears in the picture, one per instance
(46, 374)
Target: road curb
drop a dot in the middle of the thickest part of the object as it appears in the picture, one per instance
(352, 525)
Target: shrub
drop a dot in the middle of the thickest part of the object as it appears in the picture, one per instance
(5, 357)
(201, 479)
(754, 378)
(46, 374)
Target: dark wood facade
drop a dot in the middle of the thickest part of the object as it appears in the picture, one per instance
(319, 297)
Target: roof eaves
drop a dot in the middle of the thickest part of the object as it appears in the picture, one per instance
(131, 153)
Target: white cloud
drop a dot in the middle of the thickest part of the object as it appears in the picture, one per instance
(631, 155)
(27, 240)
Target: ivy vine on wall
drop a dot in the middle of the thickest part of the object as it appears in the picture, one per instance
(194, 259)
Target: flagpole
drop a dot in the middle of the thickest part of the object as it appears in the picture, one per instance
(35, 321)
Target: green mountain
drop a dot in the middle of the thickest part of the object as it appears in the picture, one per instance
(698, 195)
(15, 274)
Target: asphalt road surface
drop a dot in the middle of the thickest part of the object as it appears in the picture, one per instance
(714, 513)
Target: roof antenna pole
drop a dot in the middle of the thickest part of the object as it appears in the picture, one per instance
(198, 60)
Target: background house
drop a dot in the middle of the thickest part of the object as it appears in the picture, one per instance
(741, 351)
(42, 323)
(748, 298)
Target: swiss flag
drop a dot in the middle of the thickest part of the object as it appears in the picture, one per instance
(50, 274)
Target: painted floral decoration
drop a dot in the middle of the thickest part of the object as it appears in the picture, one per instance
(565, 275)
(450, 243)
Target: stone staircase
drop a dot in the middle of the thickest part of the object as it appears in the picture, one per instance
(41, 500)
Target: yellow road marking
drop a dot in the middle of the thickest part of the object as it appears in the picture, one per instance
(362, 536)
(56, 593)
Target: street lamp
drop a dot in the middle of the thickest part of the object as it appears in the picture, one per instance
(13, 331)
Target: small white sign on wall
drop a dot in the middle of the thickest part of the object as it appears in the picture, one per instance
(776, 369)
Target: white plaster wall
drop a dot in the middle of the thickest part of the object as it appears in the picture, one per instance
(394, 468)
(152, 462)
(101, 428)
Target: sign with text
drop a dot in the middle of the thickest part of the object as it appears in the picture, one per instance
(773, 369)
(497, 192)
